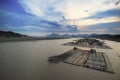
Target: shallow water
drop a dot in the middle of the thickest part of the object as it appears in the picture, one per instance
(27, 60)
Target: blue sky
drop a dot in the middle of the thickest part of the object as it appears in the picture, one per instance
(41, 17)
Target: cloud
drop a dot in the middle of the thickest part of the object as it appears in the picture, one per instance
(41, 8)
(91, 31)
(44, 16)
(115, 12)
(103, 28)
(32, 24)
(108, 25)
(67, 8)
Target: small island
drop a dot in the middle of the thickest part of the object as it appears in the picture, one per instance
(85, 58)
(87, 42)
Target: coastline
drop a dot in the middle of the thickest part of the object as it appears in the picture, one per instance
(15, 39)
(12, 39)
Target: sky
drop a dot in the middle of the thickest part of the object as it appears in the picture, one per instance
(41, 17)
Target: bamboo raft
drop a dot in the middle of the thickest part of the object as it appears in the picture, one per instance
(85, 58)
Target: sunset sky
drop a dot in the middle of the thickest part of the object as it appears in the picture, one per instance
(41, 17)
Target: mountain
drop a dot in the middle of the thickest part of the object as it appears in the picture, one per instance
(54, 35)
(9, 34)
(106, 36)
(6, 35)
(100, 36)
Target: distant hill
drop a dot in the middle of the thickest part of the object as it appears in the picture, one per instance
(54, 35)
(9, 34)
(12, 36)
(106, 36)
(100, 36)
